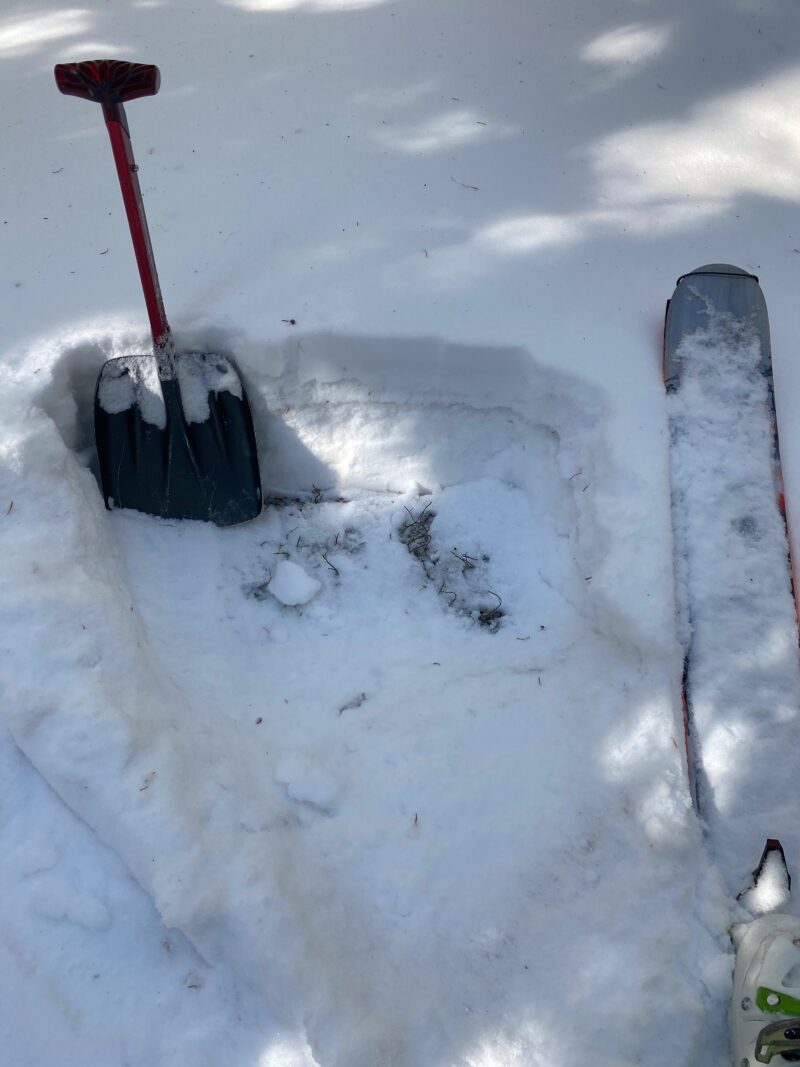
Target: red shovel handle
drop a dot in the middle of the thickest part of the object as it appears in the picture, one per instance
(111, 82)
(108, 81)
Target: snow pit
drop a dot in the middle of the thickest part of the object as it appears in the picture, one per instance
(386, 808)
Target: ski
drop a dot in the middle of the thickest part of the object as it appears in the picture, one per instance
(737, 620)
(737, 625)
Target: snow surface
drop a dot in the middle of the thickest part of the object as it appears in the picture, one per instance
(438, 813)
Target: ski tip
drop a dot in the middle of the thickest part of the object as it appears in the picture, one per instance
(718, 268)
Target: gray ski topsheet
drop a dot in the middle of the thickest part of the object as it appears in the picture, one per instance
(736, 612)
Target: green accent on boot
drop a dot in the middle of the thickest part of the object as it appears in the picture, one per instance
(774, 1003)
(777, 1039)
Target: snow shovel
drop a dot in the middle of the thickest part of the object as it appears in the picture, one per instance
(174, 432)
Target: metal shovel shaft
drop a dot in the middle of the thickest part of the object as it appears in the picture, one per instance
(127, 171)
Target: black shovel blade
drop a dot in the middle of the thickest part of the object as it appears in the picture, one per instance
(181, 446)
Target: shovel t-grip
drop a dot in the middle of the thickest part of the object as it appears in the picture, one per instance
(110, 82)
